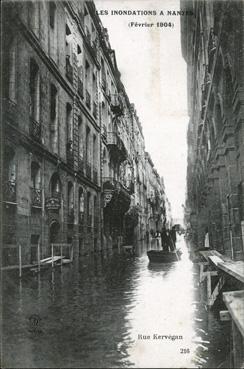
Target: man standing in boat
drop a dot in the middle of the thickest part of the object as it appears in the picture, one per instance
(173, 234)
(165, 239)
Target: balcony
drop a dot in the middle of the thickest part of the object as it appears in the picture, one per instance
(115, 194)
(36, 198)
(10, 112)
(80, 88)
(116, 146)
(80, 166)
(95, 176)
(9, 191)
(117, 105)
(35, 130)
(88, 170)
(54, 201)
(94, 110)
(69, 69)
(88, 100)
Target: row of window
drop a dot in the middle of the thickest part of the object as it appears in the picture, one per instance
(90, 150)
(55, 186)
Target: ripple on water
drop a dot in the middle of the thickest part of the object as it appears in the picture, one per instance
(91, 316)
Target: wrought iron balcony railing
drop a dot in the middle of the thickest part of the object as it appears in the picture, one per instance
(36, 197)
(116, 184)
(117, 105)
(9, 191)
(35, 130)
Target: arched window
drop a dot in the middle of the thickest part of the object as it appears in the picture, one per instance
(88, 205)
(9, 175)
(95, 212)
(70, 197)
(35, 176)
(9, 165)
(36, 199)
(94, 154)
(69, 124)
(105, 164)
(81, 205)
(55, 185)
(80, 135)
(53, 30)
(34, 88)
(88, 145)
(53, 117)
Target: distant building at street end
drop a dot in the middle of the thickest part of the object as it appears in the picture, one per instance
(212, 45)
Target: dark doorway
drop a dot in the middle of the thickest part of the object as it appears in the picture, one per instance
(54, 232)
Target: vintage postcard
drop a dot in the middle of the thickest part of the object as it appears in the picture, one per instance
(122, 184)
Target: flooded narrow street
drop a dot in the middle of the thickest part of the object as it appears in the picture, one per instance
(112, 311)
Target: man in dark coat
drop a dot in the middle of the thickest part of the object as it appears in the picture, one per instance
(165, 240)
(173, 237)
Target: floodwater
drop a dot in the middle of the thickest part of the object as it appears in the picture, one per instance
(112, 311)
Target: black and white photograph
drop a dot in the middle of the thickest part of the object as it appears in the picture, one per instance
(122, 184)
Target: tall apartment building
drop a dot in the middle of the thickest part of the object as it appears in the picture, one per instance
(73, 148)
(212, 45)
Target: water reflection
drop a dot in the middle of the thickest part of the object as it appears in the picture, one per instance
(96, 313)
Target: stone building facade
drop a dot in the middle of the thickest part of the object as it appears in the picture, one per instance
(73, 149)
(212, 45)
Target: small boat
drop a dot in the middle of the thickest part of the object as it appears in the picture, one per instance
(156, 256)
